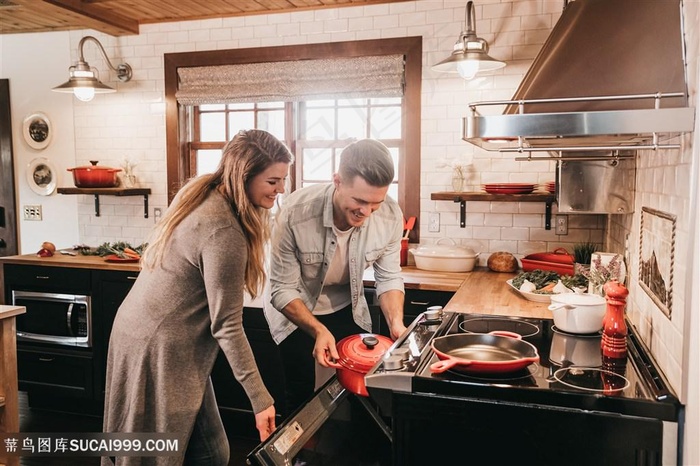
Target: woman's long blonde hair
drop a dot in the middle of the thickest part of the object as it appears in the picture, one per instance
(246, 155)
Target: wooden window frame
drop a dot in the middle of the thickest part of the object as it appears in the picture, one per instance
(176, 123)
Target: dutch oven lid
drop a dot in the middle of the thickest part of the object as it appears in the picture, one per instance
(94, 167)
(361, 352)
(439, 250)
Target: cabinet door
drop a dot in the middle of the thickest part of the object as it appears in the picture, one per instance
(233, 403)
(111, 287)
(53, 372)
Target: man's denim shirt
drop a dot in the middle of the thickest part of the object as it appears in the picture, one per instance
(303, 244)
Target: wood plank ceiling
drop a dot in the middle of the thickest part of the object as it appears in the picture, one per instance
(123, 17)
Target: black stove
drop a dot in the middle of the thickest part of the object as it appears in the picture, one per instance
(572, 384)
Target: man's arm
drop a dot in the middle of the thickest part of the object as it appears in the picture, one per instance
(325, 351)
(391, 303)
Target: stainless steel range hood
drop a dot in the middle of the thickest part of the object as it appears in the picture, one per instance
(611, 76)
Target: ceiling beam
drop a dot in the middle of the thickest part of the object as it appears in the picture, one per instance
(98, 18)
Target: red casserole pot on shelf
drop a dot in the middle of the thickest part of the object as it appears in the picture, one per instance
(358, 354)
(559, 261)
(95, 177)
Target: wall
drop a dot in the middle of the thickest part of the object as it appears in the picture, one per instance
(34, 63)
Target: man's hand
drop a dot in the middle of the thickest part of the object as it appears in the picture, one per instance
(325, 352)
(396, 329)
(265, 422)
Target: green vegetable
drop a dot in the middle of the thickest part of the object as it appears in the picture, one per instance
(542, 278)
(107, 249)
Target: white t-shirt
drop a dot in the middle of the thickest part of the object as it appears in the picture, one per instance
(335, 294)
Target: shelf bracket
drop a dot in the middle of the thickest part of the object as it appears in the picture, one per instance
(145, 205)
(462, 212)
(97, 205)
(548, 215)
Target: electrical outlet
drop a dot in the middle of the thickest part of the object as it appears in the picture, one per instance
(32, 212)
(561, 223)
(157, 213)
(434, 222)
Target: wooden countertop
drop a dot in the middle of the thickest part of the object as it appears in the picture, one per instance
(478, 292)
(77, 262)
(9, 311)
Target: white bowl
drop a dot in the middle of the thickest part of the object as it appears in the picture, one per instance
(578, 312)
(439, 258)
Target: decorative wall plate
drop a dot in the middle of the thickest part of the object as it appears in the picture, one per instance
(42, 176)
(37, 130)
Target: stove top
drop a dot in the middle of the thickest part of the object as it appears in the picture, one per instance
(571, 371)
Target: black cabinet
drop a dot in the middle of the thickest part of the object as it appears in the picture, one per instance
(111, 287)
(415, 302)
(234, 405)
(46, 369)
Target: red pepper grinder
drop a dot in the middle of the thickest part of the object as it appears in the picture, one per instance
(614, 341)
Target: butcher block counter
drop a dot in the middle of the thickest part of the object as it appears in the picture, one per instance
(478, 292)
(78, 262)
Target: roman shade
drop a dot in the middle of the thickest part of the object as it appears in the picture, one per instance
(288, 81)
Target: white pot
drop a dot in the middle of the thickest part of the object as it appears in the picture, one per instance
(441, 258)
(578, 313)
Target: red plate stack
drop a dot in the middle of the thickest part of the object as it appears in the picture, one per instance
(509, 188)
(550, 186)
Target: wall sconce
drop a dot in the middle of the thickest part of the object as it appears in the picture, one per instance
(83, 82)
(470, 53)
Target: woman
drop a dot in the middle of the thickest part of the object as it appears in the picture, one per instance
(187, 303)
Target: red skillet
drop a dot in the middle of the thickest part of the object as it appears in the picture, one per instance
(483, 352)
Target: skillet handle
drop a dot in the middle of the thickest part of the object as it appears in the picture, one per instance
(446, 364)
(505, 333)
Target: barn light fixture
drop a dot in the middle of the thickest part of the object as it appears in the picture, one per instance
(83, 81)
(470, 53)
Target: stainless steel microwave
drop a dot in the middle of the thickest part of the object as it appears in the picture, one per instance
(62, 319)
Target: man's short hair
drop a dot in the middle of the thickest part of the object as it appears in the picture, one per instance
(368, 159)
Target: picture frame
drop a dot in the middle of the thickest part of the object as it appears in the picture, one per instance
(657, 244)
(37, 130)
(42, 176)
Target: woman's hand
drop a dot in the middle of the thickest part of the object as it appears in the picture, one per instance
(265, 422)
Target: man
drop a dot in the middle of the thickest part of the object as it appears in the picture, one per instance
(326, 235)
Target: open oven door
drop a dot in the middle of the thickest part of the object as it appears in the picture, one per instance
(335, 427)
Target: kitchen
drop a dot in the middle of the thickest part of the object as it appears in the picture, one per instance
(130, 123)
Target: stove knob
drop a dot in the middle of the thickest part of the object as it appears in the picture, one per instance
(403, 353)
(393, 363)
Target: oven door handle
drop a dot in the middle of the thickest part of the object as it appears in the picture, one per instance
(69, 316)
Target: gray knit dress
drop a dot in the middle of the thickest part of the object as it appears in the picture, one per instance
(168, 331)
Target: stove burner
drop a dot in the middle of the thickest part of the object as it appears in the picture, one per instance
(491, 324)
(597, 334)
(591, 379)
(525, 373)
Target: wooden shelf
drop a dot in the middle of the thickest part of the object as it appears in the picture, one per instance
(462, 198)
(97, 192)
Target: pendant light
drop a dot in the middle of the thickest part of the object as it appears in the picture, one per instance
(470, 53)
(83, 82)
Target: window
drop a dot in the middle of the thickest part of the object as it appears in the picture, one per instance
(315, 130)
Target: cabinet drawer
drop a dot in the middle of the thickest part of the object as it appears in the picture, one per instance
(61, 279)
(417, 301)
(60, 374)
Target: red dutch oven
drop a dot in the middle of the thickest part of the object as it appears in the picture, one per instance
(94, 176)
(358, 354)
